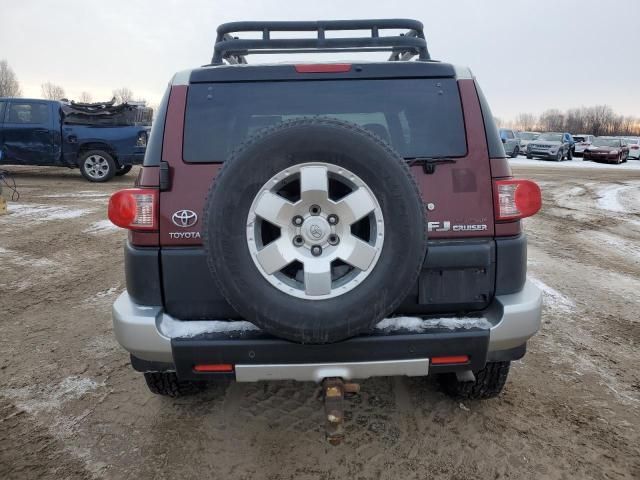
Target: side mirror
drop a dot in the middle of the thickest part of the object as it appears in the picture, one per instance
(504, 140)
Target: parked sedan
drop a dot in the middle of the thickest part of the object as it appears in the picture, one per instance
(634, 148)
(552, 145)
(583, 141)
(525, 139)
(611, 150)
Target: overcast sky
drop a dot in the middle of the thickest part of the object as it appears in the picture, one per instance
(528, 55)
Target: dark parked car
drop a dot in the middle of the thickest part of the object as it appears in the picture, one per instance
(552, 146)
(324, 222)
(35, 132)
(610, 150)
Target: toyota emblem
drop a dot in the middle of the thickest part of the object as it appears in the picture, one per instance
(184, 218)
(316, 231)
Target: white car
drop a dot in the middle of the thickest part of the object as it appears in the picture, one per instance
(583, 141)
(634, 148)
(525, 138)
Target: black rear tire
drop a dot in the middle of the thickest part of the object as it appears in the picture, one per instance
(284, 146)
(167, 384)
(529, 157)
(488, 384)
(515, 152)
(123, 170)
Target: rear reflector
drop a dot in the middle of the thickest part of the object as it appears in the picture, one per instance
(451, 360)
(134, 208)
(323, 68)
(516, 199)
(217, 367)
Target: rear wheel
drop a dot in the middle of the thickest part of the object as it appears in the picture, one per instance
(515, 153)
(489, 382)
(123, 170)
(529, 156)
(167, 384)
(97, 166)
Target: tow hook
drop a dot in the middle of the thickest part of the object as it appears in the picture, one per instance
(334, 391)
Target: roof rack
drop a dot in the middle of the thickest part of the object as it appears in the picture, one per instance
(402, 47)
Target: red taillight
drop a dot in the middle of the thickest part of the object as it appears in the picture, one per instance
(323, 68)
(516, 199)
(134, 208)
(217, 367)
(450, 360)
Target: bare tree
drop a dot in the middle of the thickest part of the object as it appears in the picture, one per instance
(123, 95)
(596, 120)
(85, 97)
(525, 122)
(51, 91)
(9, 86)
(552, 120)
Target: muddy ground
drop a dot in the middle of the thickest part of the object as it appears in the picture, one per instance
(71, 406)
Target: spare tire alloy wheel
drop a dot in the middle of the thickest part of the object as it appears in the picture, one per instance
(315, 230)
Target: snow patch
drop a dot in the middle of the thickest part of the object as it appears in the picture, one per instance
(609, 197)
(83, 194)
(101, 227)
(575, 163)
(15, 258)
(177, 329)
(552, 297)
(417, 324)
(44, 213)
(621, 245)
(44, 398)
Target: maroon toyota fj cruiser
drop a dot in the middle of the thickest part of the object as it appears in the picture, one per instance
(325, 222)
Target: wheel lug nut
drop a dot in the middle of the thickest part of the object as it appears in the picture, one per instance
(314, 210)
(297, 220)
(298, 241)
(316, 250)
(334, 239)
(332, 219)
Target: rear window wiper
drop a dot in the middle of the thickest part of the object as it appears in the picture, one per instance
(428, 163)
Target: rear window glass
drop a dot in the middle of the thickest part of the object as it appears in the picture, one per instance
(579, 139)
(419, 117)
(1, 112)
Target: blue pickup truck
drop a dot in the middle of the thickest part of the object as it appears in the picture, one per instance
(47, 133)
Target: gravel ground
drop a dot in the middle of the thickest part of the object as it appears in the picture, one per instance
(71, 406)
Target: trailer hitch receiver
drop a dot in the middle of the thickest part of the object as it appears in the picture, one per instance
(333, 394)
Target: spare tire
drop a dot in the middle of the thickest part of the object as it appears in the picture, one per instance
(315, 230)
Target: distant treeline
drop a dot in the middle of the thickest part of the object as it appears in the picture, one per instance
(596, 120)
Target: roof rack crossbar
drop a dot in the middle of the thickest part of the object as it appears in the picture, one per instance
(404, 46)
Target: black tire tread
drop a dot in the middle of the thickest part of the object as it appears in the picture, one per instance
(167, 384)
(488, 384)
